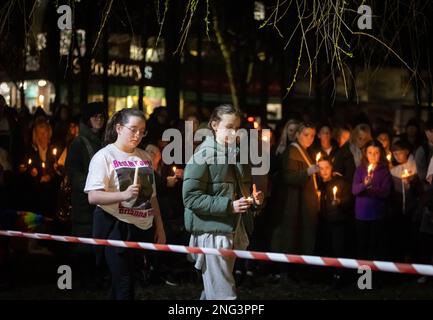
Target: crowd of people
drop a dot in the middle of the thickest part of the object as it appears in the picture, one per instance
(351, 189)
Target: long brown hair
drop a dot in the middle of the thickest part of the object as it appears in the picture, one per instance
(120, 117)
(376, 144)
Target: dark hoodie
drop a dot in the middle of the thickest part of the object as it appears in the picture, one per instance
(77, 166)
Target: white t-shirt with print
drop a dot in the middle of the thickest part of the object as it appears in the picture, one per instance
(113, 170)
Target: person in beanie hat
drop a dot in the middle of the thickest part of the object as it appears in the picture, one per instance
(92, 109)
(81, 151)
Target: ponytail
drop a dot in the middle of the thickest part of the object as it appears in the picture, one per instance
(120, 117)
(219, 111)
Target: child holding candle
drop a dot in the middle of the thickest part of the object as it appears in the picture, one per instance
(405, 198)
(384, 137)
(371, 189)
(335, 215)
(217, 211)
(124, 210)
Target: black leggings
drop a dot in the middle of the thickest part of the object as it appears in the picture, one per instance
(122, 262)
(370, 239)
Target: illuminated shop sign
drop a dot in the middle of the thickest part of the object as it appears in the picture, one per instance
(116, 69)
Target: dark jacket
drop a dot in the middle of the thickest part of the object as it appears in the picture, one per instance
(316, 147)
(344, 162)
(40, 196)
(77, 166)
(209, 190)
(296, 216)
(340, 210)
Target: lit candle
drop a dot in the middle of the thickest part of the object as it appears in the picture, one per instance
(318, 156)
(41, 100)
(370, 169)
(55, 152)
(174, 170)
(136, 175)
(334, 191)
(389, 157)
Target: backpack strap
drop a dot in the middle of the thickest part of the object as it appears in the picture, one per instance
(89, 148)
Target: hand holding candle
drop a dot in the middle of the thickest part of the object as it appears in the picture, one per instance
(370, 169)
(369, 177)
(136, 175)
(318, 156)
(335, 200)
(257, 195)
(45, 177)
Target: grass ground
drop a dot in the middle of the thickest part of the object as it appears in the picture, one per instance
(35, 278)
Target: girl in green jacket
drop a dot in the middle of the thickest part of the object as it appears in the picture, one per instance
(218, 202)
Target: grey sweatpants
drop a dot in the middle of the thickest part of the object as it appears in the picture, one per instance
(217, 271)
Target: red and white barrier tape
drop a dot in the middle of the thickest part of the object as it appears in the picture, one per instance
(422, 269)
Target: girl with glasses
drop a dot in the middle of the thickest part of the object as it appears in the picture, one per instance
(121, 184)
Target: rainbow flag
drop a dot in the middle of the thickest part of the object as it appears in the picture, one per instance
(25, 221)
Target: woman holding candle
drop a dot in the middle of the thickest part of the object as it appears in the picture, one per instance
(218, 199)
(371, 187)
(39, 173)
(295, 220)
(124, 210)
(384, 138)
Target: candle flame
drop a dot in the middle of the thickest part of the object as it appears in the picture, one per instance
(43, 165)
(318, 156)
(256, 125)
(388, 157)
(334, 190)
(55, 151)
(405, 173)
(370, 169)
(30, 161)
(174, 169)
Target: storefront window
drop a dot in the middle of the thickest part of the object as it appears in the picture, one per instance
(120, 97)
(153, 97)
(37, 93)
